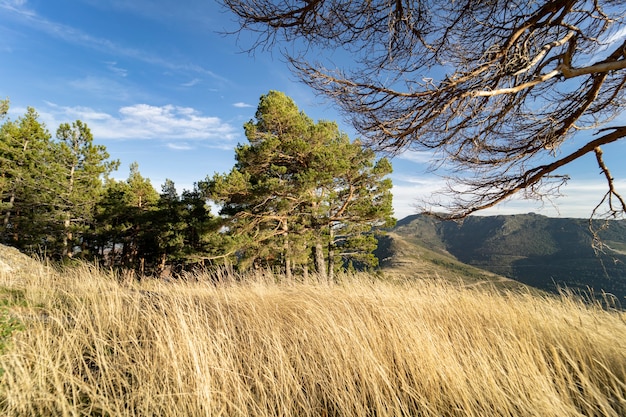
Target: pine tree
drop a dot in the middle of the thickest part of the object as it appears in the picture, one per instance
(49, 188)
(183, 227)
(124, 230)
(201, 237)
(299, 185)
(503, 93)
(112, 222)
(169, 225)
(353, 196)
(81, 168)
(141, 200)
(26, 192)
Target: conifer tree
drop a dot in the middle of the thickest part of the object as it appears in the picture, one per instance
(141, 199)
(4, 108)
(183, 228)
(25, 155)
(125, 232)
(49, 188)
(201, 237)
(112, 222)
(168, 224)
(298, 185)
(81, 167)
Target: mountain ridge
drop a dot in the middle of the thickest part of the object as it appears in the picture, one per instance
(543, 252)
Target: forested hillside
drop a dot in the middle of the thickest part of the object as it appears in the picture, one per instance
(540, 251)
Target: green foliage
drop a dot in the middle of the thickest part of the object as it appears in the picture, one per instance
(300, 195)
(182, 226)
(141, 229)
(123, 216)
(80, 167)
(4, 108)
(49, 188)
(300, 185)
(56, 199)
(9, 297)
(27, 191)
(8, 325)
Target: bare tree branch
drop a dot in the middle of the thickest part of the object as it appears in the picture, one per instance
(611, 196)
(507, 186)
(493, 88)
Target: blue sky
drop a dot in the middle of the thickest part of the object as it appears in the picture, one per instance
(158, 84)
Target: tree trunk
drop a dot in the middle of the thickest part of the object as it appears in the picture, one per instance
(286, 254)
(111, 254)
(331, 255)
(7, 215)
(67, 236)
(142, 267)
(320, 263)
(161, 267)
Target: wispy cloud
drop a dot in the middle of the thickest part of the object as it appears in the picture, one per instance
(15, 6)
(197, 15)
(616, 35)
(6, 37)
(191, 83)
(579, 197)
(144, 121)
(242, 105)
(112, 66)
(72, 35)
(180, 146)
(419, 157)
(102, 87)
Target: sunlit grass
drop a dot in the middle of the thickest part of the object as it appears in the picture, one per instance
(256, 346)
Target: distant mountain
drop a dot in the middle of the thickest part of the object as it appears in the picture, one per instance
(405, 259)
(536, 250)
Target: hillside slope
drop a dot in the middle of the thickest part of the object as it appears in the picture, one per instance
(406, 258)
(546, 253)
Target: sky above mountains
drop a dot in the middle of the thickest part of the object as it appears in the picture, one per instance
(160, 83)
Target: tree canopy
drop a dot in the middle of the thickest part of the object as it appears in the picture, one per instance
(301, 187)
(49, 188)
(81, 166)
(495, 89)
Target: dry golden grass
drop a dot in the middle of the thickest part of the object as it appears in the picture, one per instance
(92, 346)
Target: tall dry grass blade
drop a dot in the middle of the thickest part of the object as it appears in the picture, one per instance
(256, 345)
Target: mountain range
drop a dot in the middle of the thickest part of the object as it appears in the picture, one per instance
(546, 253)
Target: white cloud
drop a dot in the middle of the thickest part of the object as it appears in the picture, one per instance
(579, 198)
(408, 191)
(607, 43)
(101, 87)
(427, 182)
(419, 157)
(112, 66)
(14, 5)
(180, 146)
(617, 36)
(191, 83)
(242, 105)
(144, 121)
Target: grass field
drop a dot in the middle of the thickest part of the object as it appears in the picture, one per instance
(81, 343)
